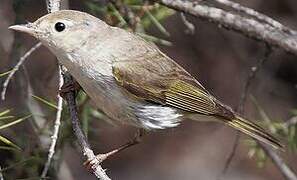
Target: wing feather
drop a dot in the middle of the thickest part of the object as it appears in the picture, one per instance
(186, 97)
(161, 80)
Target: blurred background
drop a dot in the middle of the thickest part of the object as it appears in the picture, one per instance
(220, 59)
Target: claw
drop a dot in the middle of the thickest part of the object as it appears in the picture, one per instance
(68, 88)
(89, 164)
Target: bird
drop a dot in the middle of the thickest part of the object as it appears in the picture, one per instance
(129, 79)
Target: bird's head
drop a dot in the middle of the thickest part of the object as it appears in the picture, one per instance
(63, 30)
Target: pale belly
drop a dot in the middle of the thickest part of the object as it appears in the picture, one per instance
(121, 106)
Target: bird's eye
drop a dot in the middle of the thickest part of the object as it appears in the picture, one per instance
(60, 26)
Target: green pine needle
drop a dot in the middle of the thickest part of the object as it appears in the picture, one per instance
(8, 142)
(157, 23)
(6, 117)
(155, 39)
(5, 73)
(5, 112)
(14, 122)
(44, 101)
(264, 116)
(7, 148)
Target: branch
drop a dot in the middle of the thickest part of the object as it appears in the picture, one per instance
(284, 38)
(279, 162)
(57, 124)
(87, 151)
(254, 14)
(190, 26)
(16, 68)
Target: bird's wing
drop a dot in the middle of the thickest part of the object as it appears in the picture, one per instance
(155, 77)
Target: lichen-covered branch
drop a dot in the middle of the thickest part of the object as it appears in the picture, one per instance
(284, 38)
(87, 151)
(253, 13)
(57, 124)
(53, 5)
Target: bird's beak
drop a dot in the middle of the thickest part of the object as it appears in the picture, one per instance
(29, 28)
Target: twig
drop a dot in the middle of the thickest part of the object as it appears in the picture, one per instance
(242, 101)
(53, 5)
(248, 26)
(57, 124)
(190, 26)
(251, 77)
(279, 162)
(254, 14)
(87, 151)
(16, 68)
(284, 169)
(1, 175)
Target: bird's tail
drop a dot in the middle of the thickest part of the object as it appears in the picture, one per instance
(254, 131)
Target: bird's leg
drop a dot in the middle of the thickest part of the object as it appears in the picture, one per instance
(102, 157)
(67, 87)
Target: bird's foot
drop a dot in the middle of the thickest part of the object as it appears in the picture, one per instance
(68, 87)
(102, 157)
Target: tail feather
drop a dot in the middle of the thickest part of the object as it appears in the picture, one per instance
(254, 131)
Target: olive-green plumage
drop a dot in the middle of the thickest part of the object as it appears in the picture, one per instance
(130, 79)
